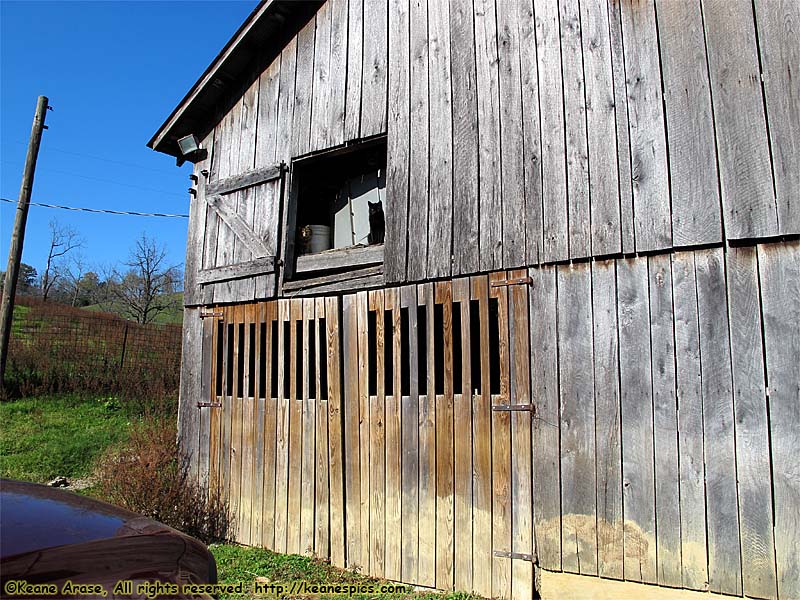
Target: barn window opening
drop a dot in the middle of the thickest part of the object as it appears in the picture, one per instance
(287, 359)
(494, 346)
(475, 344)
(262, 361)
(388, 353)
(240, 361)
(341, 197)
(298, 360)
(312, 361)
(251, 361)
(422, 349)
(372, 343)
(274, 361)
(457, 347)
(220, 358)
(229, 361)
(438, 348)
(405, 361)
(323, 360)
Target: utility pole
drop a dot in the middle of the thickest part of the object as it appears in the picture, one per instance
(18, 235)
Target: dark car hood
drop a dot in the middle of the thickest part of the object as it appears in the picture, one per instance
(36, 517)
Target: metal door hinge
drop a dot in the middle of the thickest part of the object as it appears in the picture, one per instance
(212, 314)
(516, 555)
(531, 408)
(209, 405)
(515, 281)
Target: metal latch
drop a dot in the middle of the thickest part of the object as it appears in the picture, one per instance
(209, 405)
(514, 281)
(212, 314)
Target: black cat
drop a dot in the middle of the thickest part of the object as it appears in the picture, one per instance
(377, 224)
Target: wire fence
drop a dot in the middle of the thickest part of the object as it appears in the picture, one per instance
(57, 348)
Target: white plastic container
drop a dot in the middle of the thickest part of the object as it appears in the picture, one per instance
(320, 238)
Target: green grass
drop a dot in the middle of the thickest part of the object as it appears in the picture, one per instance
(242, 564)
(174, 316)
(47, 436)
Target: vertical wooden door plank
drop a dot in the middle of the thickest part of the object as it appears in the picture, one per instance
(427, 447)
(466, 238)
(259, 408)
(237, 406)
(296, 427)
(419, 153)
(607, 420)
(190, 389)
(217, 370)
(546, 431)
(225, 425)
(778, 29)
(501, 446)
(578, 477)
(207, 383)
(651, 201)
(393, 430)
(269, 91)
(398, 142)
(322, 449)
(338, 75)
(283, 148)
(724, 563)
(308, 473)
(282, 432)
(694, 561)
(748, 197)
(637, 421)
(444, 442)
(696, 217)
(352, 484)
(600, 128)
(377, 442)
(462, 436)
(665, 422)
(270, 429)
(521, 460)
(355, 56)
(779, 267)
(301, 117)
(248, 442)
(482, 555)
(551, 104)
(752, 427)
(374, 76)
(489, 172)
(336, 436)
(409, 425)
(322, 76)
(363, 426)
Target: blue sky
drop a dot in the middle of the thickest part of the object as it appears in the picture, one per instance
(113, 72)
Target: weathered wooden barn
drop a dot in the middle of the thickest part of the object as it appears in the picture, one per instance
(576, 349)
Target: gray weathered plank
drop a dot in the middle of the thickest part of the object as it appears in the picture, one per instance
(779, 269)
(778, 29)
(344, 258)
(752, 427)
(398, 142)
(651, 202)
(576, 391)
(268, 103)
(512, 168)
(338, 73)
(577, 151)
(283, 148)
(355, 55)
(489, 183)
(304, 81)
(374, 76)
(600, 128)
(190, 390)
(256, 266)
(665, 422)
(546, 431)
(690, 423)
(303, 284)
(637, 421)
(744, 163)
(244, 180)
(440, 140)
(321, 87)
(696, 217)
(196, 234)
(427, 448)
(238, 226)
(352, 469)
(418, 165)
(607, 420)
(361, 283)
(466, 241)
(724, 563)
(551, 103)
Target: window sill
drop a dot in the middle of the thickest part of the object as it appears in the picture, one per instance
(353, 257)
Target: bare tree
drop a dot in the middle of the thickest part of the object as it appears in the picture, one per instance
(63, 240)
(148, 287)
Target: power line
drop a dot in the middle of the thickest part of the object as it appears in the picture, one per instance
(100, 210)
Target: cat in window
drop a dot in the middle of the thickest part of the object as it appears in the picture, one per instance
(377, 223)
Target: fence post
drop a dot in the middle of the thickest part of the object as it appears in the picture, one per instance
(124, 344)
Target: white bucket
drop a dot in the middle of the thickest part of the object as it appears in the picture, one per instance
(320, 238)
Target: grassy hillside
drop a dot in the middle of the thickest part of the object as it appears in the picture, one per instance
(172, 317)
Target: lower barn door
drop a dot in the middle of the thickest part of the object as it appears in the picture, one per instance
(274, 432)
